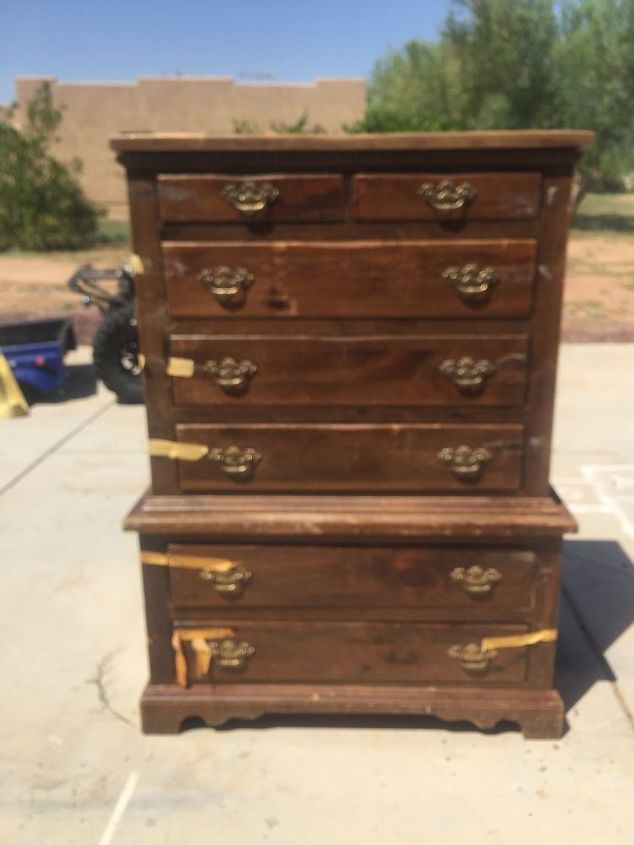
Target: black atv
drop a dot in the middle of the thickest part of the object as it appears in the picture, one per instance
(116, 342)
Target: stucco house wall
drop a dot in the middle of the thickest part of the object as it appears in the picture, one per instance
(95, 111)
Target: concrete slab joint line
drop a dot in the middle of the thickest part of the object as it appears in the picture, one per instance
(54, 448)
(608, 503)
(119, 808)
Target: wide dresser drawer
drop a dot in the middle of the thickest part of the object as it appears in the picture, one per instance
(450, 278)
(372, 652)
(427, 578)
(227, 198)
(361, 458)
(349, 371)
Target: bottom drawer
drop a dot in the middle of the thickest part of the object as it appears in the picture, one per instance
(373, 652)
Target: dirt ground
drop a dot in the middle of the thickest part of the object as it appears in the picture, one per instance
(599, 293)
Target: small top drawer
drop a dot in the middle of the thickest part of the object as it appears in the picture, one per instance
(447, 196)
(245, 199)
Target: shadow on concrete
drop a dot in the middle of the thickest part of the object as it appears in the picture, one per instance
(597, 608)
(81, 383)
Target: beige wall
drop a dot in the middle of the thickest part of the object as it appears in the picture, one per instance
(95, 111)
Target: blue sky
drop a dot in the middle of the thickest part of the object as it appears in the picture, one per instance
(119, 40)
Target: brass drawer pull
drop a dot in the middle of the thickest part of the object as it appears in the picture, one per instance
(446, 195)
(230, 582)
(475, 580)
(467, 374)
(465, 462)
(472, 282)
(231, 375)
(235, 462)
(472, 658)
(228, 285)
(250, 197)
(230, 654)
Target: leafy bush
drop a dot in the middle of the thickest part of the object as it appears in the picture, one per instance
(42, 205)
(301, 126)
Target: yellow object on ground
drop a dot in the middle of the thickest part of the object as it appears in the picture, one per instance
(12, 401)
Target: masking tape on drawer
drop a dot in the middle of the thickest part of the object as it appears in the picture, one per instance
(137, 264)
(217, 564)
(176, 451)
(198, 637)
(181, 367)
(546, 635)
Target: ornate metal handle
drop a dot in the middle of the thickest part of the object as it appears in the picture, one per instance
(250, 197)
(446, 195)
(235, 462)
(229, 583)
(230, 654)
(227, 285)
(475, 580)
(472, 658)
(231, 375)
(473, 283)
(464, 461)
(467, 374)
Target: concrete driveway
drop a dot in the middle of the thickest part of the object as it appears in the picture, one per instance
(74, 767)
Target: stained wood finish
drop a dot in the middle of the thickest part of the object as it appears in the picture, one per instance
(317, 576)
(391, 371)
(354, 652)
(350, 605)
(351, 279)
(301, 198)
(498, 196)
(357, 458)
(364, 519)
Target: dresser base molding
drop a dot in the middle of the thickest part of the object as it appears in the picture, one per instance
(167, 709)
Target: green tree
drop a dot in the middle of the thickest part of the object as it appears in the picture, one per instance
(594, 84)
(519, 64)
(42, 205)
(504, 52)
(416, 88)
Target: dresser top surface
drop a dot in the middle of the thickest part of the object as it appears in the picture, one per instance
(412, 141)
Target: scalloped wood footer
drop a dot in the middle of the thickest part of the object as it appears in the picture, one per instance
(539, 713)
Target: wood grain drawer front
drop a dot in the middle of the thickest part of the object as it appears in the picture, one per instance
(447, 196)
(468, 278)
(356, 652)
(485, 580)
(251, 199)
(391, 371)
(359, 458)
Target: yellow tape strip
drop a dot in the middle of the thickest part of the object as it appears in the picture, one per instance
(217, 564)
(154, 558)
(180, 367)
(202, 656)
(176, 451)
(141, 360)
(546, 635)
(12, 401)
(198, 638)
(137, 264)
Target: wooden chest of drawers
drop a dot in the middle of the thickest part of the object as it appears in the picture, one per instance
(350, 347)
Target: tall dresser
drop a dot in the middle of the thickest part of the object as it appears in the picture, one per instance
(349, 348)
